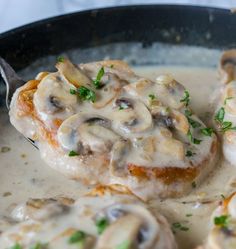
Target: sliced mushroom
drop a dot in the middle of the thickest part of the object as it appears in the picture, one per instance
(123, 230)
(180, 121)
(111, 86)
(132, 223)
(82, 132)
(175, 92)
(53, 97)
(139, 88)
(227, 66)
(229, 98)
(170, 118)
(73, 73)
(118, 155)
(131, 115)
(41, 209)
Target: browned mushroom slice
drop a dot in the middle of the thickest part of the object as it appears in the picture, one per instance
(227, 66)
(132, 225)
(111, 86)
(173, 93)
(131, 116)
(41, 209)
(73, 73)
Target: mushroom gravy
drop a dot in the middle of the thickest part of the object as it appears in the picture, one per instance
(24, 174)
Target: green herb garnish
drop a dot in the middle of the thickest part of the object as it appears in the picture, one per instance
(207, 131)
(225, 101)
(124, 245)
(97, 81)
(222, 220)
(194, 185)
(188, 113)
(189, 153)
(186, 98)
(178, 225)
(192, 139)
(220, 115)
(189, 215)
(101, 225)
(193, 123)
(224, 125)
(86, 94)
(16, 246)
(152, 96)
(111, 66)
(77, 237)
(73, 91)
(5, 149)
(60, 59)
(222, 196)
(73, 153)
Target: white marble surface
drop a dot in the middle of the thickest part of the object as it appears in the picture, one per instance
(14, 13)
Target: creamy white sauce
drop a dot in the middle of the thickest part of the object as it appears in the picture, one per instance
(24, 174)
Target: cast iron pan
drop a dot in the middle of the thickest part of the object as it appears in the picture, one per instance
(208, 27)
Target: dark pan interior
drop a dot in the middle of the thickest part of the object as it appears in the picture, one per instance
(208, 27)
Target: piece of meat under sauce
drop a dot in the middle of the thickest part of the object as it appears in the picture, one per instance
(222, 234)
(106, 218)
(225, 106)
(102, 124)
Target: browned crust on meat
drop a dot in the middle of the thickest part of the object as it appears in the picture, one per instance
(26, 108)
(169, 175)
(113, 189)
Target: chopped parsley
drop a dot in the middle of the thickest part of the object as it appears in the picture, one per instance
(97, 81)
(226, 99)
(111, 66)
(178, 225)
(224, 125)
(84, 93)
(194, 185)
(77, 237)
(220, 115)
(124, 245)
(152, 96)
(188, 113)
(189, 153)
(193, 123)
(207, 131)
(186, 98)
(189, 215)
(60, 59)
(222, 220)
(222, 196)
(5, 149)
(101, 225)
(73, 153)
(16, 246)
(39, 245)
(192, 139)
(73, 91)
